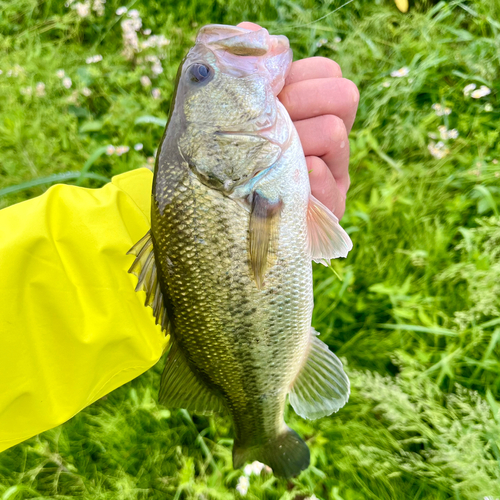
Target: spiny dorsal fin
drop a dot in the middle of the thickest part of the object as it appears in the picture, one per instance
(144, 267)
(181, 388)
(327, 240)
(264, 219)
(322, 387)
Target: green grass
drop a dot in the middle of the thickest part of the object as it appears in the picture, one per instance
(416, 314)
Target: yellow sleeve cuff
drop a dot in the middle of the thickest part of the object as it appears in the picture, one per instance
(72, 328)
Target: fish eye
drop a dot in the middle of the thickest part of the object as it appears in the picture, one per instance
(200, 73)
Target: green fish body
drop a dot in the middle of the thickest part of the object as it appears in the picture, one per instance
(227, 263)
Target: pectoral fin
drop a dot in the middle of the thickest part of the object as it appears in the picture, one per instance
(264, 219)
(181, 388)
(322, 387)
(327, 240)
(144, 267)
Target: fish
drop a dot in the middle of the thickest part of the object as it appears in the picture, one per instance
(227, 263)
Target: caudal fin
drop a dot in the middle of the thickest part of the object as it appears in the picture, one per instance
(287, 454)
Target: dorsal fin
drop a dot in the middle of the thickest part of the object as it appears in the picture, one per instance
(144, 267)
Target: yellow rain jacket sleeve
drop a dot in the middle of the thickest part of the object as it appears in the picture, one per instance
(72, 328)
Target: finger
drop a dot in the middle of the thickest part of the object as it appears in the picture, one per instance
(321, 96)
(249, 26)
(326, 136)
(324, 187)
(311, 68)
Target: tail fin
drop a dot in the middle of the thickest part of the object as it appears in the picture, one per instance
(287, 454)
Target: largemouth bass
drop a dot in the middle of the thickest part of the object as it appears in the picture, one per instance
(227, 264)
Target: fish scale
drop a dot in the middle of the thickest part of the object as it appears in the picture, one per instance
(233, 231)
(245, 331)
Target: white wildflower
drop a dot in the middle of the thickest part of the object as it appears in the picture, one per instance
(60, 73)
(1, 72)
(145, 81)
(443, 132)
(27, 91)
(82, 9)
(86, 91)
(130, 27)
(453, 133)
(121, 10)
(155, 41)
(110, 150)
(386, 85)
(312, 497)
(16, 71)
(481, 92)
(156, 68)
(321, 42)
(156, 93)
(73, 98)
(337, 39)
(438, 150)
(134, 14)
(98, 7)
(40, 89)
(93, 59)
(469, 88)
(66, 81)
(138, 146)
(147, 32)
(120, 150)
(254, 468)
(400, 72)
(242, 486)
(151, 160)
(438, 109)
(431, 135)
(488, 107)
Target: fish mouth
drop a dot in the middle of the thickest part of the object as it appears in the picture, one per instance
(245, 51)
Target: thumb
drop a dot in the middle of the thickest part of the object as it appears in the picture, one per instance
(249, 26)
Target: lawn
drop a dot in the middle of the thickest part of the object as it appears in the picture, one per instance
(414, 311)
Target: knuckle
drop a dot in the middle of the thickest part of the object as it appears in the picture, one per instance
(352, 89)
(334, 131)
(332, 69)
(317, 168)
(335, 126)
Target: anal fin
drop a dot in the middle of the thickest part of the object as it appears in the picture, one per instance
(180, 387)
(327, 240)
(322, 387)
(144, 267)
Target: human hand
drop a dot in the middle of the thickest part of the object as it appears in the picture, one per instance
(322, 106)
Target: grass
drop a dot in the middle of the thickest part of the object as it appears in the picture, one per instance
(416, 311)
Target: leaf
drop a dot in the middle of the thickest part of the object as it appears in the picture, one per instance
(161, 122)
(423, 329)
(93, 126)
(65, 176)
